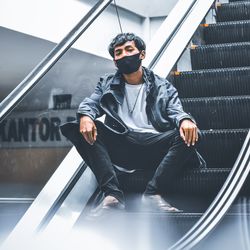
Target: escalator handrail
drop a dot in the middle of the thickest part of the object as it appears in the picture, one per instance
(154, 50)
(46, 200)
(241, 167)
(167, 31)
(172, 22)
(221, 203)
(31, 80)
(176, 45)
(232, 186)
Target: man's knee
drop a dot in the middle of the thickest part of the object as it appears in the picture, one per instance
(176, 138)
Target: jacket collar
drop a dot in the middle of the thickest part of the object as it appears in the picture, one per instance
(148, 78)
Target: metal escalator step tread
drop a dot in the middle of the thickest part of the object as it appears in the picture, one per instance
(125, 228)
(227, 32)
(157, 231)
(232, 1)
(213, 82)
(220, 56)
(195, 181)
(132, 216)
(219, 112)
(221, 147)
(233, 11)
(166, 215)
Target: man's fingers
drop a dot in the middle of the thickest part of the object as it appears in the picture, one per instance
(185, 135)
(94, 133)
(190, 132)
(194, 136)
(85, 135)
(182, 134)
(88, 136)
(88, 129)
(188, 136)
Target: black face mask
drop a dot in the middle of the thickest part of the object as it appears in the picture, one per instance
(129, 64)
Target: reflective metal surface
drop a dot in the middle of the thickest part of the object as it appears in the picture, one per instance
(46, 200)
(221, 203)
(166, 32)
(73, 205)
(184, 20)
(32, 79)
(181, 38)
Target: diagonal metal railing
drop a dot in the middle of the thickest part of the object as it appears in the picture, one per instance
(192, 13)
(221, 203)
(32, 79)
(56, 187)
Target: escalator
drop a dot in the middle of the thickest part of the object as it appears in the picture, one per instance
(216, 91)
(11, 211)
(31, 147)
(217, 94)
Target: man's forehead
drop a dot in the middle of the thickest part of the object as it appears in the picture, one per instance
(128, 43)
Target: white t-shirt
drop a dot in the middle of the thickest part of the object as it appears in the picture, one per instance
(133, 109)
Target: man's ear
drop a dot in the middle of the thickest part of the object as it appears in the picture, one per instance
(143, 54)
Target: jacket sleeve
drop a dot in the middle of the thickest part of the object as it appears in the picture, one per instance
(90, 106)
(175, 110)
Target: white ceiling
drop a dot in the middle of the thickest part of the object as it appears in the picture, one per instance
(145, 8)
(148, 8)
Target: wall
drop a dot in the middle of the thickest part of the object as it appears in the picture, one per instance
(31, 146)
(53, 19)
(29, 30)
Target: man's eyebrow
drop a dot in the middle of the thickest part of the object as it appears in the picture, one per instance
(128, 46)
(118, 49)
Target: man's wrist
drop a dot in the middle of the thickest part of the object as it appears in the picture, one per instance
(184, 119)
(85, 117)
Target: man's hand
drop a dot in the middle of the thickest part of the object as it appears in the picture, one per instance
(88, 129)
(189, 132)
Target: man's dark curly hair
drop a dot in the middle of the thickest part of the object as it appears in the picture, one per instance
(123, 38)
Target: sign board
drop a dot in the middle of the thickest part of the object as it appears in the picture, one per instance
(35, 129)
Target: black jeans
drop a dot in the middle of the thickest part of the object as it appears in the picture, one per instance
(166, 153)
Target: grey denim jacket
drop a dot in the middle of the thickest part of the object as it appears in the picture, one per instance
(163, 108)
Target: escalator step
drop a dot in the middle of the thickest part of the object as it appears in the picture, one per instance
(227, 32)
(213, 82)
(221, 147)
(206, 181)
(156, 231)
(219, 112)
(231, 1)
(198, 182)
(220, 55)
(134, 230)
(233, 11)
(195, 181)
